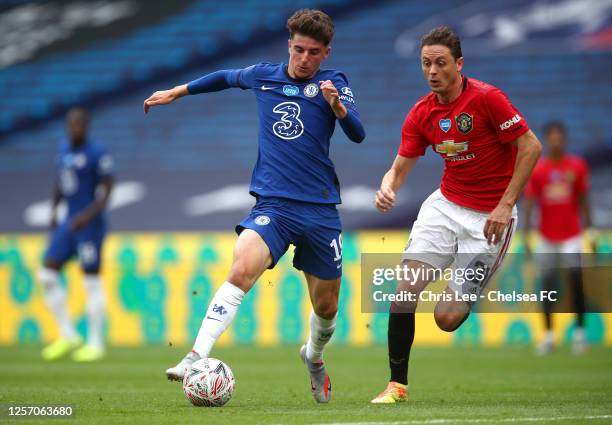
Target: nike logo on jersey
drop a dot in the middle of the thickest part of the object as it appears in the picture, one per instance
(264, 88)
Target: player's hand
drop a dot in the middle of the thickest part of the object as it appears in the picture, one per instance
(384, 199)
(160, 98)
(330, 93)
(79, 222)
(496, 223)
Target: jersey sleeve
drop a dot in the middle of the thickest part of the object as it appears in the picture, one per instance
(509, 124)
(224, 79)
(345, 93)
(245, 78)
(105, 165)
(413, 142)
(351, 124)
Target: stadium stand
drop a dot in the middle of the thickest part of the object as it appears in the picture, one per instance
(206, 142)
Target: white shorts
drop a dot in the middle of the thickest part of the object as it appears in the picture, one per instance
(446, 234)
(565, 253)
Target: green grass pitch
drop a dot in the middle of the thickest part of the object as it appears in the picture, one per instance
(447, 386)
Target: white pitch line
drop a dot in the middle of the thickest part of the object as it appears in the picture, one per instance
(473, 421)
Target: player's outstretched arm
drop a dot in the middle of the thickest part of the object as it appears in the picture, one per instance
(165, 97)
(215, 81)
(392, 181)
(529, 150)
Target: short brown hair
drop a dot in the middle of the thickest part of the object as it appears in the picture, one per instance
(445, 37)
(312, 23)
(554, 125)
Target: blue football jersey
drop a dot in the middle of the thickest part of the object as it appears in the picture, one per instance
(295, 127)
(79, 171)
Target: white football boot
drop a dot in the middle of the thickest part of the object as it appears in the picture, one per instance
(177, 372)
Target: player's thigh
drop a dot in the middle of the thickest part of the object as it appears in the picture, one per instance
(433, 239)
(89, 244)
(324, 295)
(318, 245)
(477, 261)
(60, 249)
(571, 252)
(251, 258)
(548, 256)
(267, 220)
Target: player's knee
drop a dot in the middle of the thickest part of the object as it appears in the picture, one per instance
(241, 276)
(326, 306)
(53, 265)
(449, 322)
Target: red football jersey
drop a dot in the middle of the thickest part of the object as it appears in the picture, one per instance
(472, 135)
(556, 186)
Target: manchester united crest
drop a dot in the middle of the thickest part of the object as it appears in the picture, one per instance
(464, 122)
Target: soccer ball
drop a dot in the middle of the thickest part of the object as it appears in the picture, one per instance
(210, 382)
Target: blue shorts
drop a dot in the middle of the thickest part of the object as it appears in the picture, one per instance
(86, 243)
(314, 229)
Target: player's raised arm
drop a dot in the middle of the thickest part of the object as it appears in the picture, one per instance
(392, 181)
(348, 117)
(529, 150)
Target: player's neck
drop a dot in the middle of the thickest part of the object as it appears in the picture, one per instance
(556, 157)
(453, 92)
(77, 143)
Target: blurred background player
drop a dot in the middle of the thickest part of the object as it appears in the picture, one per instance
(84, 181)
(294, 182)
(560, 186)
(489, 152)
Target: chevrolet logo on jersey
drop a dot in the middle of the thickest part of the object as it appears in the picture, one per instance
(450, 148)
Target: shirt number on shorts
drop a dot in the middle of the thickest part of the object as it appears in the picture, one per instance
(290, 126)
(336, 244)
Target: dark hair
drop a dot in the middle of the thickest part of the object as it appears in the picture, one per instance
(312, 23)
(445, 37)
(554, 125)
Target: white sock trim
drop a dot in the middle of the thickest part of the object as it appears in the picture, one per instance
(321, 331)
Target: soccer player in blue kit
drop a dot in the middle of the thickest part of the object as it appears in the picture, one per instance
(294, 183)
(84, 180)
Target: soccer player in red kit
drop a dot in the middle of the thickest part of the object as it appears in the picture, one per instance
(560, 186)
(489, 153)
